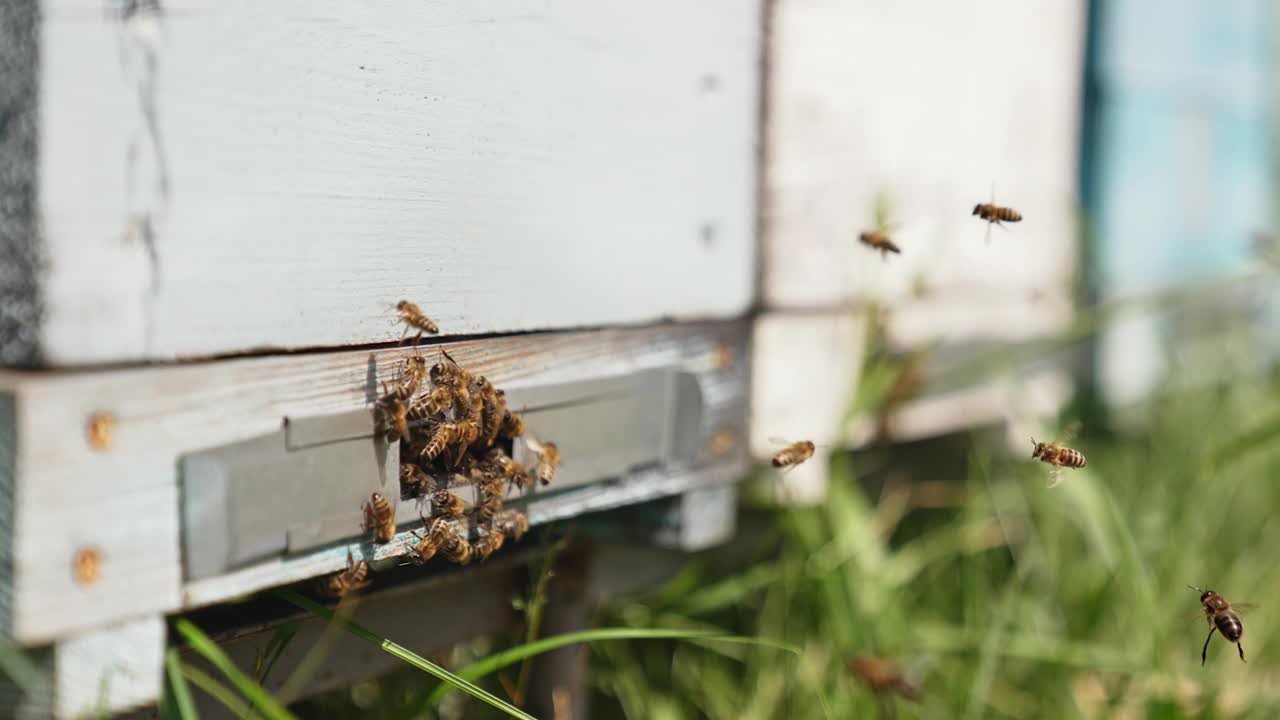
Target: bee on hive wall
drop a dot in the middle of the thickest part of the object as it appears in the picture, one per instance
(380, 516)
(353, 578)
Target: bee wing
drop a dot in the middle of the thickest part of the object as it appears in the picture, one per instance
(779, 441)
(1055, 477)
(1071, 431)
(1242, 608)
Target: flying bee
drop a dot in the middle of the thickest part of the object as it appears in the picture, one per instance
(413, 481)
(498, 464)
(393, 419)
(1058, 456)
(1223, 617)
(412, 373)
(512, 523)
(431, 539)
(444, 502)
(548, 461)
(344, 581)
(793, 454)
(414, 319)
(512, 424)
(878, 239)
(883, 677)
(995, 214)
(380, 516)
(490, 543)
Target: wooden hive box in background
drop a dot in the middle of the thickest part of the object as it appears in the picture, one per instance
(930, 105)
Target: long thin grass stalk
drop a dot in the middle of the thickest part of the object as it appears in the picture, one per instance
(179, 692)
(397, 651)
(203, 644)
(497, 661)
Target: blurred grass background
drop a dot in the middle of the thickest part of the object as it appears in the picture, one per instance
(1000, 596)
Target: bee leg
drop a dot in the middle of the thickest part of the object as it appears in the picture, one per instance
(1205, 650)
(1241, 649)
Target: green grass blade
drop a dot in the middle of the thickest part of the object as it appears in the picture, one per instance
(202, 644)
(181, 694)
(497, 661)
(280, 640)
(406, 655)
(215, 690)
(17, 666)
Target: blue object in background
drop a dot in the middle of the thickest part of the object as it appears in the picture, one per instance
(1177, 143)
(1177, 155)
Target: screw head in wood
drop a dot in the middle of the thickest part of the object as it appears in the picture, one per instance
(85, 565)
(100, 426)
(724, 356)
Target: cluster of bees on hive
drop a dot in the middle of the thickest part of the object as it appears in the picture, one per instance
(1223, 617)
(453, 427)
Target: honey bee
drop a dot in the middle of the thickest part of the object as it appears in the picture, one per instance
(444, 502)
(393, 419)
(431, 539)
(548, 461)
(380, 517)
(512, 424)
(413, 481)
(413, 318)
(455, 547)
(883, 677)
(433, 405)
(512, 523)
(412, 374)
(1058, 456)
(490, 543)
(1223, 617)
(879, 240)
(449, 373)
(443, 436)
(995, 214)
(493, 411)
(344, 581)
(488, 507)
(793, 454)
(498, 464)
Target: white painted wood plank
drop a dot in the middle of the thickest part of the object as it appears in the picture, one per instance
(230, 176)
(931, 104)
(110, 669)
(122, 502)
(1014, 402)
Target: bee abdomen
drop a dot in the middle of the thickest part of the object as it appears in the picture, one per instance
(1073, 458)
(1008, 214)
(1229, 625)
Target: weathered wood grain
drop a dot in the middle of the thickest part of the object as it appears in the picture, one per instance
(930, 105)
(222, 177)
(122, 501)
